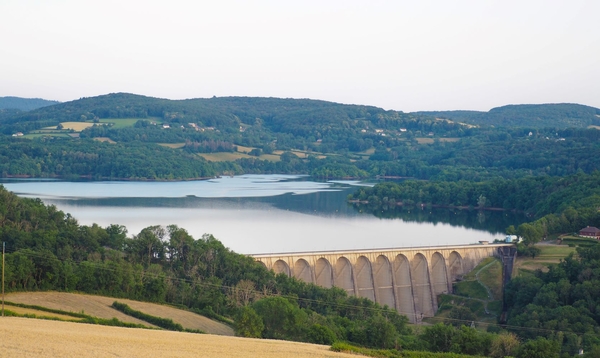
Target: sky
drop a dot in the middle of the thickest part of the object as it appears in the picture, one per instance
(401, 55)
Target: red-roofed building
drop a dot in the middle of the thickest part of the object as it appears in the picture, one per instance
(590, 231)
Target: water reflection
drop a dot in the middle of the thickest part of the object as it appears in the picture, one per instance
(266, 213)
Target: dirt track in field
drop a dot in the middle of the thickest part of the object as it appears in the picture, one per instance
(26, 337)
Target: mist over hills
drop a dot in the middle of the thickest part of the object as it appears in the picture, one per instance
(24, 104)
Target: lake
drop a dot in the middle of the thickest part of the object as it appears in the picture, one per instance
(264, 213)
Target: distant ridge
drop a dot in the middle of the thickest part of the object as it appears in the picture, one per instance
(24, 104)
(560, 115)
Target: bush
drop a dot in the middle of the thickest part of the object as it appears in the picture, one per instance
(165, 323)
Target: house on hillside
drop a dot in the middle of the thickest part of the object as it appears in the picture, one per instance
(590, 231)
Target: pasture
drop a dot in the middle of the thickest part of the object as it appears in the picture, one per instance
(23, 337)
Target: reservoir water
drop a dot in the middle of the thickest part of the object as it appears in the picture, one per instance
(264, 213)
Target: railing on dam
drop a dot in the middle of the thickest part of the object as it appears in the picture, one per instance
(407, 279)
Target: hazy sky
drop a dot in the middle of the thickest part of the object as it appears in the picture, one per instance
(402, 55)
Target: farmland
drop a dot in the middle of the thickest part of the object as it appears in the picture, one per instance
(100, 341)
(99, 306)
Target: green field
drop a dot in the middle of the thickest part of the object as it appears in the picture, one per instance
(128, 122)
(46, 134)
(172, 145)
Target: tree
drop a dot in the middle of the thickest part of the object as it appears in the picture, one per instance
(530, 233)
(503, 345)
(320, 334)
(539, 348)
(281, 318)
(248, 324)
(439, 337)
(461, 315)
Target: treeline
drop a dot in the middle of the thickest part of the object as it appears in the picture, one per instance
(560, 115)
(49, 250)
(372, 140)
(538, 196)
(97, 160)
(562, 305)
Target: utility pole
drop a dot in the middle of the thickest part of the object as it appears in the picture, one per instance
(3, 246)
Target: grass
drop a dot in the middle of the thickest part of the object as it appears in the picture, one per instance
(224, 156)
(99, 306)
(39, 135)
(491, 277)
(231, 156)
(425, 140)
(470, 289)
(172, 145)
(23, 337)
(390, 353)
(549, 255)
(105, 139)
(472, 293)
(127, 122)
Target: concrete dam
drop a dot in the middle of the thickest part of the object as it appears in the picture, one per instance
(407, 279)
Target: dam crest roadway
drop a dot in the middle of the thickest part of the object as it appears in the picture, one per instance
(408, 279)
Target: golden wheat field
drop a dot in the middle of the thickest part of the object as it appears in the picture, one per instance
(99, 306)
(27, 337)
(76, 126)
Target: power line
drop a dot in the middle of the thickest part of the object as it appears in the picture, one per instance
(146, 273)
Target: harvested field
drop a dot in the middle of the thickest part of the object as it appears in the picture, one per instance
(22, 337)
(99, 306)
(96, 306)
(76, 126)
(39, 313)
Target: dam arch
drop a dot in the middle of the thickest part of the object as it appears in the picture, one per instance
(421, 283)
(455, 266)
(364, 278)
(407, 279)
(323, 273)
(281, 266)
(384, 282)
(302, 271)
(439, 274)
(405, 301)
(343, 276)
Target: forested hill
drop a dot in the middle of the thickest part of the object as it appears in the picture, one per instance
(237, 135)
(557, 115)
(24, 104)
